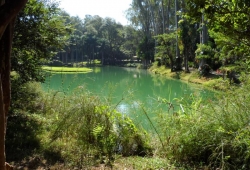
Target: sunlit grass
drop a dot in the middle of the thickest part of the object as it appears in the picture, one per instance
(135, 162)
(188, 77)
(67, 69)
(211, 81)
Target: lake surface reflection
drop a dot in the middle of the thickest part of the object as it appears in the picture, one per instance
(130, 89)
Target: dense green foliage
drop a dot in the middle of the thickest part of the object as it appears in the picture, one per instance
(145, 50)
(204, 33)
(40, 32)
(228, 27)
(212, 32)
(99, 38)
(23, 126)
(210, 132)
(91, 127)
(165, 50)
(79, 130)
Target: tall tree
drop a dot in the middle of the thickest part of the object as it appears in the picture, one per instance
(8, 11)
(93, 38)
(139, 15)
(227, 17)
(40, 32)
(113, 33)
(166, 49)
(132, 39)
(145, 50)
(178, 58)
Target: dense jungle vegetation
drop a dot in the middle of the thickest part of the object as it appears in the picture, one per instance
(82, 131)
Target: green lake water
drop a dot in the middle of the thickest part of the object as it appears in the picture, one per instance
(130, 89)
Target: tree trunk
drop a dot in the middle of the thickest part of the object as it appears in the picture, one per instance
(152, 18)
(2, 130)
(102, 59)
(8, 11)
(163, 17)
(5, 50)
(204, 39)
(186, 60)
(168, 16)
(178, 59)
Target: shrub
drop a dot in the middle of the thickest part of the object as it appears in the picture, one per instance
(205, 70)
(79, 130)
(215, 133)
(85, 129)
(24, 124)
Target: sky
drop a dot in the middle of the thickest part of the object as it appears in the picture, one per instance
(104, 8)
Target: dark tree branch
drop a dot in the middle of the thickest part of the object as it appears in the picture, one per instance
(8, 11)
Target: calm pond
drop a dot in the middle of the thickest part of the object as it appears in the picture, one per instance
(130, 89)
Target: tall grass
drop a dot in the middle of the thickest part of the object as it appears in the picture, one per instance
(85, 130)
(214, 133)
(78, 130)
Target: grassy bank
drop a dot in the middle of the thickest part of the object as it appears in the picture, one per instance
(67, 69)
(211, 81)
(193, 76)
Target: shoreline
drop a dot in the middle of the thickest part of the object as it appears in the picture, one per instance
(212, 82)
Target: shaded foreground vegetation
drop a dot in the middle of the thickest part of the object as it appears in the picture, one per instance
(84, 131)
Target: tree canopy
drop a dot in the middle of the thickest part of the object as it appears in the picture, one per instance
(40, 32)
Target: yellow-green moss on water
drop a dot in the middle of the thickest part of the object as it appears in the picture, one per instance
(67, 69)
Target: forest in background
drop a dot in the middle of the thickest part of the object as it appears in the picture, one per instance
(175, 33)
